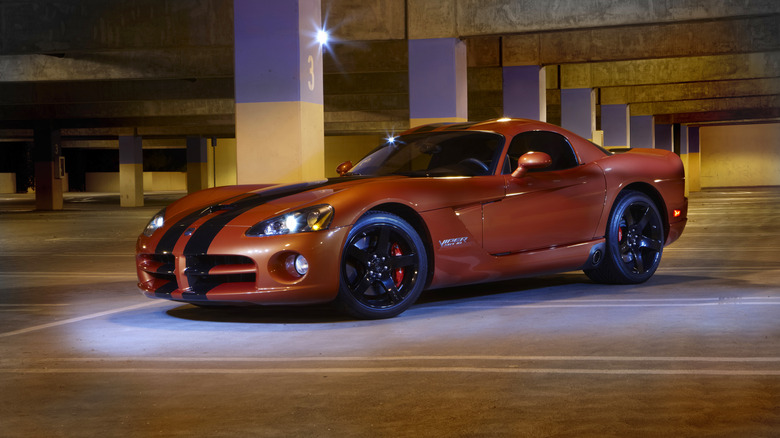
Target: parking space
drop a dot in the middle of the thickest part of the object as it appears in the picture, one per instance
(695, 351)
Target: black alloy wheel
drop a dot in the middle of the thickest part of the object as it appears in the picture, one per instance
(383, 267)
(635, 239)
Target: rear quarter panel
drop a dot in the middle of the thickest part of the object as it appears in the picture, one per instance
(658, 170)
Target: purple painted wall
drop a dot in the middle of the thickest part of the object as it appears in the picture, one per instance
(437, 78)
(642, 135)
(663, 137)
(577, 111)
(522, 92)
(614, 123)
(274, 41)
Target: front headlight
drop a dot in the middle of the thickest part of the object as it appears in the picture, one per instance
(157, 222)
(300, 221)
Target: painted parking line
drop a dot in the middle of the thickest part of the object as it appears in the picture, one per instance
(606, 303)
(34, 305)
(14, 254)
(387, 370)
(91, 239)
(696, 366)
(80, 318)
(70, 274)
(357, 359)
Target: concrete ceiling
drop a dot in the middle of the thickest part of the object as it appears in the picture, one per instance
(164, 68)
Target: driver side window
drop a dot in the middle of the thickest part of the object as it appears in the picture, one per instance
(553, 144)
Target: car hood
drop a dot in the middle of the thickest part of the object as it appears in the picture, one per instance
(268, 199)
(244, 206)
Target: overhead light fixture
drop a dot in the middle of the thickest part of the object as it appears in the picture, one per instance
(322, 37)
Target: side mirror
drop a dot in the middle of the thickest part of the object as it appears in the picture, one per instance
(531, 160)
(344, 167)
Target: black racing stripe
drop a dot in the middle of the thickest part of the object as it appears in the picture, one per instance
(201, 240)
(169, 239)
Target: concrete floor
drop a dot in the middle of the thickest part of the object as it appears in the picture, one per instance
(693, 352)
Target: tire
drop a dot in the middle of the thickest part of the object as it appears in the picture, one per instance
(634, 241)
(384, 267)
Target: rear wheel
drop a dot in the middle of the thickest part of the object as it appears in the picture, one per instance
(383, 267)
(634, 241)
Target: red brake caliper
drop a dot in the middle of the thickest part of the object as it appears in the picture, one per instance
(398, 273)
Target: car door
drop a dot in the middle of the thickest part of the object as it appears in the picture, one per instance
(559, 205)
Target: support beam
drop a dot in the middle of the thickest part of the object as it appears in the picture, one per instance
(117, 110)
(525, 93)
(668, 40)
(706, 105)
(693, 170)
(181, 63)
(690, 91)
(48, 175)
(663, 136)
(56, 27)
(366, 20)
(615, 124)
(578, 111)
(131, 171)
(671, 70)
(684, 155)
(493, 17)
(642, 132)
(89, 91)
(197, 164)
(437, 81)
(736, 115)
(279, 98)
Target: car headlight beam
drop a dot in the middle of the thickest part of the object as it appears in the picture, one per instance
(304, 220)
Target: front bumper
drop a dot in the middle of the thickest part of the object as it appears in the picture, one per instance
(244, 270)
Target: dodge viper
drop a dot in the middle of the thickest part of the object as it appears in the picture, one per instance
(439, 205)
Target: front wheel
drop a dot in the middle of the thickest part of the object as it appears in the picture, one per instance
(635, 239)
(383, 267)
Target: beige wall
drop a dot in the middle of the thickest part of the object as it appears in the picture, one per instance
(226, 162)
(7, 183)
(740, 155)
(108, 182)
(337, 150)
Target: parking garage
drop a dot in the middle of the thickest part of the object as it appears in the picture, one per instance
(111, 111)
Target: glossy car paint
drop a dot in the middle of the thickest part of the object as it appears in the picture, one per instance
(476, 229)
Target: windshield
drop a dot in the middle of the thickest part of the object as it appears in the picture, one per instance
(458, 153)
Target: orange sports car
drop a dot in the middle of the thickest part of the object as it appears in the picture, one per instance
(439, 205)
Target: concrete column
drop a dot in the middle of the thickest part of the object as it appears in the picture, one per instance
(197, 164)
(525, 92)
(642, 132)
(693, 174)
(48, 176)
(683, 148)
(578, 111)
(664, 136)
(437, 81)
(280, 127)
(131, 171)
(615, 124)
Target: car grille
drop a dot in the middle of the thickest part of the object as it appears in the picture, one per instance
(205, 272)
(202, 274)
(160, 266)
